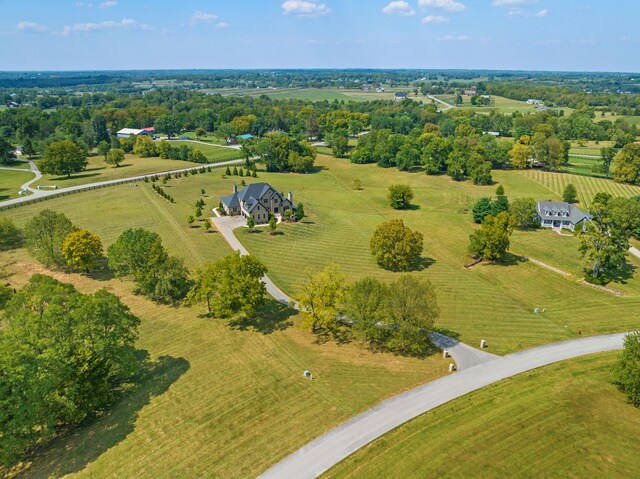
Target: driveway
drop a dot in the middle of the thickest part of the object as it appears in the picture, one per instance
(329, 449)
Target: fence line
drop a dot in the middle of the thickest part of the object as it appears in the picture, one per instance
(81, 189)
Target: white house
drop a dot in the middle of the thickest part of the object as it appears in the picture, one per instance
(558, 215)
(129, 132)
(258, 201)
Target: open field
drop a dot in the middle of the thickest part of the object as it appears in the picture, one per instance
(564, 420)
(226, 397)
(493, 301)
(632, 120)
(498, 104)
(320, 94)
(587, 187)
(98, 170)
(214, 154)
(582, 166)
(11, 181)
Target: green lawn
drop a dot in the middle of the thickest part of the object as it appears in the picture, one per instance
(564, 420)
(492, 301)
(214, 154)
(226, 400)
(97, 170)
(582, 166)
(11, 181)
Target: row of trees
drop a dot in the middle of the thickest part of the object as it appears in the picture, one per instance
(397, 316)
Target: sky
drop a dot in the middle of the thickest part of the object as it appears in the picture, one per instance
(562, 35)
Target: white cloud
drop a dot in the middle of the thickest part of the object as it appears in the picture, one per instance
(435, 19)
(125, 23)
(516, 12)
(449, 5)
(539, 14)
(400, 8)
(455, 38)
(512, 3)
(222, 25)
(202, 17)
(108, 4)
(30, 27)
(303, 8)
(316, 42)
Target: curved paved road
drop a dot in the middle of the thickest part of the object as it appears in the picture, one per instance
(331, 448)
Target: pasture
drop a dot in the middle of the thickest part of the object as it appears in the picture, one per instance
(564, 420)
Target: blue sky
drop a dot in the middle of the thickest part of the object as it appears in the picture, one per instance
(582, 35)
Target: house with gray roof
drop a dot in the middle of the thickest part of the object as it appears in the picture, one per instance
(558, 215)
(258, 201)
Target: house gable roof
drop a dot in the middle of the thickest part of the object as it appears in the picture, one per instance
(567, 212)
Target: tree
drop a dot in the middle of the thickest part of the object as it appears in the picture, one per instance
(300, 164)
(607, 155)
(28, 148)
(200, 132)
(340, 146)
(82, 250)
(357, 184)
(481, 209)
(400, 196)
(63, 357)
(627, 368)
(500, 190)
(10, 235)
(300, 212)
(229, 286)
(7, 152)
(524, 212)
(520, 155)
(626, 165)
(395, 246)
(273, 224)
(363, 305)
(103, 148)
(492, 240)
(198, 212)
(168, 124)
(570, 193)
(129, 255)
(98, 129)
(45, 234)
(190, 220)
(320, 298)
(63, 158)
(115, 157)
(144, 147)
(250, 224)
(411, 310)
(164, 278)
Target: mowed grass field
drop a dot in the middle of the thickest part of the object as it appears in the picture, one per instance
(564, 420)
(97, 170)
(225, 398)
(11, 181)
(495, 302)
(214, 154)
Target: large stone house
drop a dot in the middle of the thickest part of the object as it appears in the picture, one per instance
(258, 201)
(558, 215)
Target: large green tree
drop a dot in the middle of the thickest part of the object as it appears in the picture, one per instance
(627, 368)
(45, 234)
(63, 158)
(400, 196)
(230, 286)
(363, 305)
(626, 165)
(10, 235)
(395, 246)
(320, 298)
(63, 356)
(524, 212)
(130, 253)
(492, 240)
(115, 156)
(7, 152)
(82, 250)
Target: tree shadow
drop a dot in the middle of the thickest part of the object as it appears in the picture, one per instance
(623, 274)
(75, 177)
(82, 445)
(420, 264)
(273, 316)
(511, 259)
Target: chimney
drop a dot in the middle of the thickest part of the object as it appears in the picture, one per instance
(235, 188)
(290, 197)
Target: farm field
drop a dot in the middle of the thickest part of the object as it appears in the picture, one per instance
(98, 170)
(215, 154)
(632, 120)
(11, 181)
(224, 397)
(495, 301)
(319, 94)
(587, 187)
(564, 420)
(582, 166)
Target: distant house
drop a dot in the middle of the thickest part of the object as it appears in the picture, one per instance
(533, 101)
(257, 201)
(235, 139)
(246, 136)
(12, 104)
(134, 132)
(492, 133)
(471, 92)
(401, 95)
(366, 87)
(379, 90)
(542, 108)
(558, 215)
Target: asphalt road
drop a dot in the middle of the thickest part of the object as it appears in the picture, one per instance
(329, 449)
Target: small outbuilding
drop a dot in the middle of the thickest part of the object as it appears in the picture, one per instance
(134, 132)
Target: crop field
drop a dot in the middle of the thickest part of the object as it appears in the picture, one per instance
(587, 187)
(11, 181)
(564, 420)
(224, 398)
(580, 165)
